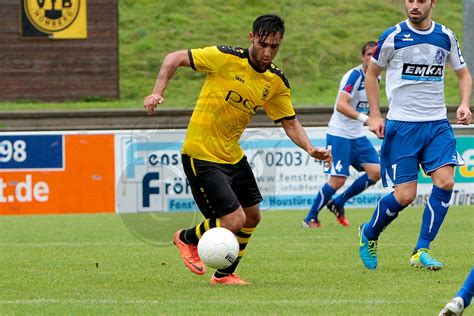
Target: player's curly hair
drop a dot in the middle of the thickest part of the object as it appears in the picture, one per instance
(268, 24)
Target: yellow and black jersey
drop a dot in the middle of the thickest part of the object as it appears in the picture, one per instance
(233, 91)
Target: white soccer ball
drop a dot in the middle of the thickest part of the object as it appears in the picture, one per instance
(218, 248)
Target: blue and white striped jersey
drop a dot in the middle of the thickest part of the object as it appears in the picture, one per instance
(416, 62)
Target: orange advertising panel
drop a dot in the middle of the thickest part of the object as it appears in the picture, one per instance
(56, 174)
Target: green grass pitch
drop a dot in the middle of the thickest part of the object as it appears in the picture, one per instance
(93, 264)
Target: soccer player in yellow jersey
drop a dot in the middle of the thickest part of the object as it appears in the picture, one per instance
(239, 82)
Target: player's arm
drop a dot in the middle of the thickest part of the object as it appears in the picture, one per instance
(375, 122)
(171, 62)
(463, 113)
(297, 134)
(343, 106)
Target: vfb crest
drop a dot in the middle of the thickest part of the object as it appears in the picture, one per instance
(51, 16)
(265, 93)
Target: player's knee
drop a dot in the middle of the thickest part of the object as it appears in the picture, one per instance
(252, 219)
(336, 182)
(405, 197)
(373, 174)
(374, 177)
(445, 184)
(405, 200)
(234, 221)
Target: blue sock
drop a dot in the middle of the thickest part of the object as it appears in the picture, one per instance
(467, 290)
(433, 216)
(359, 185)
(324, 195)
(386, 211)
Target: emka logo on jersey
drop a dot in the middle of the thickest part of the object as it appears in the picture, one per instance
(422, 72)
(362, 107)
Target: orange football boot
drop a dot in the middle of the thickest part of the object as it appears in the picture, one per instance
(189, 254)
(231, 279)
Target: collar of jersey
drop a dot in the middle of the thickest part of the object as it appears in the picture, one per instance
(425, 32)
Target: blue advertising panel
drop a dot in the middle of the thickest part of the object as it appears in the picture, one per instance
(31, 152)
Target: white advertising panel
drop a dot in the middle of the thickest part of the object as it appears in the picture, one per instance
(150, 177)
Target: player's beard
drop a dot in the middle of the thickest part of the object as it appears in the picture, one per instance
(420, 19)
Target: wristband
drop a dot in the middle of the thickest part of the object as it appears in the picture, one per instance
(362, 117)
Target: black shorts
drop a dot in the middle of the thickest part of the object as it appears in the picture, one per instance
(219, 189)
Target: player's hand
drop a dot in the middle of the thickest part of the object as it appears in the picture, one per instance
(150, 102)
(322, 154)
(463, 115)
(376, 126)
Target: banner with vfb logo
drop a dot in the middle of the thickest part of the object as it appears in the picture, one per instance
(54, 19)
